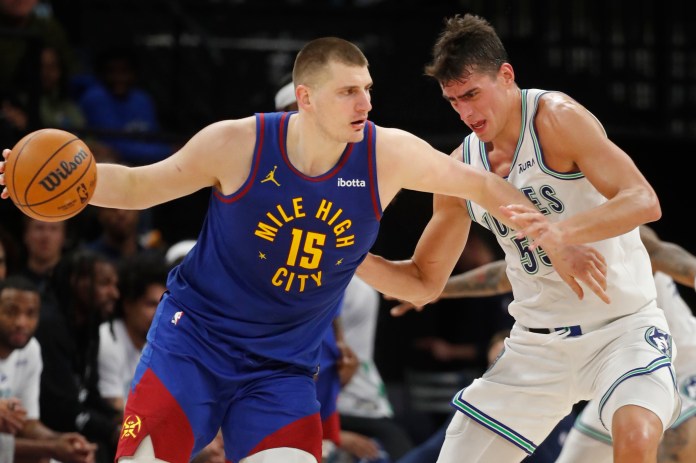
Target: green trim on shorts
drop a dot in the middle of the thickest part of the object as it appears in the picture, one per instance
(658, 363)
(684, 416)
(592, 433)
(493, 425)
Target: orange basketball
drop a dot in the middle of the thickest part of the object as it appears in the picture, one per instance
(51, 175)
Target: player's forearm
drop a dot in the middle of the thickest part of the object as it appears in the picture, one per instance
(399, 279)
(623, 213)
(676, 262)
(487, 280)
(117, 188)
(495, 192)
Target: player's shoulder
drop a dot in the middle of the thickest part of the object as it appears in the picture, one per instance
(559, 111)
(226, 136)
(394, 140)
(554, 103)
(231, 128)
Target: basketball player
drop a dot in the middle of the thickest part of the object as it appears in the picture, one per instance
(586, 190)
(235, 340)
(590, 441)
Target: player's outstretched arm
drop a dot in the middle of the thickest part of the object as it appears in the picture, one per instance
(487, 280)
(413, 164)
(219, 155)
(421, 278)
(669, 258)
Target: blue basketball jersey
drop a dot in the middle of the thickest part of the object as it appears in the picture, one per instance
(273, 259)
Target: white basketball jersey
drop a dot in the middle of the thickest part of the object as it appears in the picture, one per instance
(681, 321)
(20, 376)
(541, 298)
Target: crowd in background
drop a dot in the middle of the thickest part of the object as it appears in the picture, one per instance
(99, 277)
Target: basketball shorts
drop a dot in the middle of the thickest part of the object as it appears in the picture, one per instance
(185, 390)
(588, 421)
(538, 377)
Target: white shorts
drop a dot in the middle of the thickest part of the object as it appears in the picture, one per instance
(588, 421)
(539, 377)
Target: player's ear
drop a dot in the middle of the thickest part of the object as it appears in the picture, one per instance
(506, 73)
(302, 93)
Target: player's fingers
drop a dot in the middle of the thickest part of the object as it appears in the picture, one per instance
(6, 152)
(400, 309)
(598, 288)
(600, 262)
(600, 276)
(574, 285)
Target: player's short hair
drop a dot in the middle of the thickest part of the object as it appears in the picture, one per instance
(468, 43)
(317, 54)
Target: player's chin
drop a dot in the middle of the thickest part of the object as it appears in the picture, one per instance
(356, 136)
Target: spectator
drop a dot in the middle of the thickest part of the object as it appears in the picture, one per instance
(115, 105)
(120, 234)
(85, 286)
(363, 404)
(44, 243)
(142, 281)
(8, 253)
(20, 373)
(22, 31)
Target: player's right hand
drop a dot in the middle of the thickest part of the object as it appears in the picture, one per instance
(402, 307)
(581, 263)
(4, 194)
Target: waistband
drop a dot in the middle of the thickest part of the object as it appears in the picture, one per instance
(572, 330)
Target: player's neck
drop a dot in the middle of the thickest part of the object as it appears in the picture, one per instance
(310, 149)
(501, 149)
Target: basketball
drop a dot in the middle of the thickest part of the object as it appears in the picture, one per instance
(50, 175)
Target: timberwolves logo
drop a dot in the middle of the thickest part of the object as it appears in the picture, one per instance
(660, 340)
(688, 387)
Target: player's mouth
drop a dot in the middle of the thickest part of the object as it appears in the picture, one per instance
(478, 127)
(358, 124)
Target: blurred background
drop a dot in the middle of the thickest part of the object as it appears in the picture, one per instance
(631, 63)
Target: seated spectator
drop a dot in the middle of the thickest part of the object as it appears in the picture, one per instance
(363, 404)
(116, 107)
(85, 285)
(142, 281)
(44, 243)
(120, 235)
(24, 33)
(20, 374)
(9, 255)
(56, 108)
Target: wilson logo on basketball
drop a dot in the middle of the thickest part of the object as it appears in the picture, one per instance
(51, 181)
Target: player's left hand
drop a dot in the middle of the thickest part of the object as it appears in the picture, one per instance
(534, 225)
(581, 263)
(573, 263)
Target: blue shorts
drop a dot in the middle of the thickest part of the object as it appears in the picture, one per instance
(185, 389)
